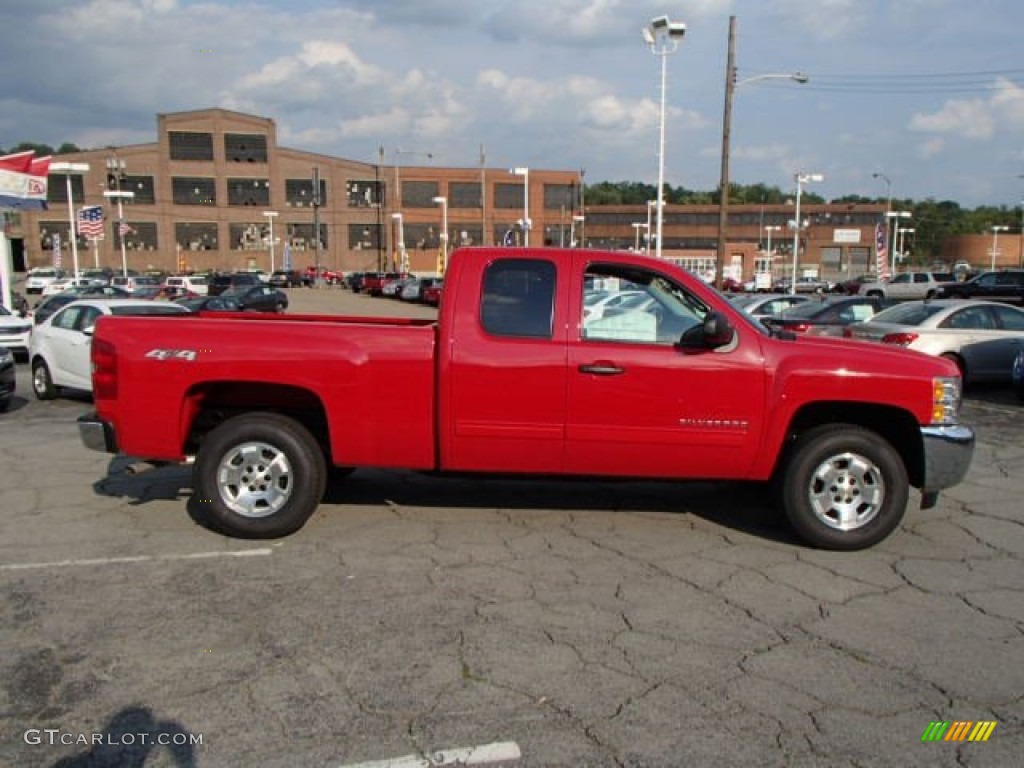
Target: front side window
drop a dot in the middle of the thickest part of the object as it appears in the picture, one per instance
(636, 305)
(518, 298)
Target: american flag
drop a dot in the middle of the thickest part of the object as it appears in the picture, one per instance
(124, 228)
(90, 221)
(881, 252)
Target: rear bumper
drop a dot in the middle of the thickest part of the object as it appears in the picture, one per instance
(948, 451)
(97, 434)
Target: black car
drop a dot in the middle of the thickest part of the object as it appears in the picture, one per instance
(258, 298)
(229, 282)
(51, 304)
(7, 378)
(223, 303)
(827, 316)
(290, 278)
(1004, 285)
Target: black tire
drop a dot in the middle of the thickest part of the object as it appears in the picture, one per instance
(843, 471)
(42, 381)
(958, 361)
(260, 476)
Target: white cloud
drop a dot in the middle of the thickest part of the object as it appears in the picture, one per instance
(976, 118)
(932, 147)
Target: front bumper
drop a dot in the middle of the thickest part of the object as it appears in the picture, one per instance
(97, 434)
(948, 451)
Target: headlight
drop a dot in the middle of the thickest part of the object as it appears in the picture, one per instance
(947, 394)
(6, 356)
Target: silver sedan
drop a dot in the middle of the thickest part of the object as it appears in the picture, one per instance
(981, 337)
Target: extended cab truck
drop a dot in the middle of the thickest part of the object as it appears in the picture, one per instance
(511, 379)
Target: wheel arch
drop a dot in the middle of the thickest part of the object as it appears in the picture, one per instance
(898, 427)
(209, 404)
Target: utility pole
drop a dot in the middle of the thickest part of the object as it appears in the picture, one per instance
(723, 191)
(316, 223)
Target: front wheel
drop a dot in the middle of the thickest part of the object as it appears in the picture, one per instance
(843, 487)
(42, 381)
(260, 475)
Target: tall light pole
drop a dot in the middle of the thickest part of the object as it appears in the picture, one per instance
(731, 84)
(650, 205)
(903, 234)
(801, 179)
(896, 215)
(121, 197)
(888, 206)
(996, 229)
(637, 226)
(662, 37)
(400, 243)
(577, 218)
(68, 169)
(525, 173)
(270, 218)
(443, 202)
(769, 228)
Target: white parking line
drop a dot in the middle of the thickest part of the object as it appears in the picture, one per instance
(485, 754)
(135, 559)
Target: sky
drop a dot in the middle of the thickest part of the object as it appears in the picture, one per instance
(927, 94)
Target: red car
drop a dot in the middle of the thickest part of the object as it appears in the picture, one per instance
(431, 294)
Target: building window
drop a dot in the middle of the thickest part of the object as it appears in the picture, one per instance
(298, 193)
(422, 237)
(142, 186)
(463, 194)
(365, 194)
(419, 194)
(140, 236)
(508, 196)
(364, 237)
(464, 236)
(561, 197)
(200, 236)
(249, 192)
(193, 191)
(300, 237)
(57, 188)
(252, 236)
(245, 148)
(50, 229)
(190, 145)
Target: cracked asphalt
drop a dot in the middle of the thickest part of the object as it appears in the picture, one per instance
(593, 624)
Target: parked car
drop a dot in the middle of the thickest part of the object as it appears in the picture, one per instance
(69, 283)
(595, 304)
(1004, 285)
(60, 346)
(258, 298)
(827, 316)
(198, 285)
(223, 303)
(131, 283)
(413, 289)
(852, 286)
(431, 294)
(37, 279)
(767, 304)
(373, 282)
(803, 285)
(290, 278)
(908, 285)
(218, 284)
(15, 331)
(981, 337)
(51, 304)
(8, 378)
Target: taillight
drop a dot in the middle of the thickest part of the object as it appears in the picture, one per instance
(899, 339)
(104, 370)
(799, 327)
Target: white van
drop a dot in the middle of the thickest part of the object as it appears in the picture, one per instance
(197, 284)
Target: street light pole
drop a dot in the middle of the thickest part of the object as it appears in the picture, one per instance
(731, 84)
(801, 179)
(121, 196)
(897, 215)
(67, 169)
(572, 229)
(443, 202)
(662, 37)
(525, 173)
(270, 217)
(996, 229)
(400, 244)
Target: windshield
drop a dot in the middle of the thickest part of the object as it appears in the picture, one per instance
(907, 314)
(806, 309)
(155, 309)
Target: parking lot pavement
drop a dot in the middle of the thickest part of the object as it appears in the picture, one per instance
(597, 624)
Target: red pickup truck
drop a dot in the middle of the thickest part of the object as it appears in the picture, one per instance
(515, 377)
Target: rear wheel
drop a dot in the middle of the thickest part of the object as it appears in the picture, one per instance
(260, 475)
(843, 487)
(42, 381)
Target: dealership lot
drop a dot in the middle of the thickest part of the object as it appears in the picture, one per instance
(587, 623)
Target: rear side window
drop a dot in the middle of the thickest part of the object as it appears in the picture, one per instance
(518, 298)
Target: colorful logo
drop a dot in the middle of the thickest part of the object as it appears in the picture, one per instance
(958, 730)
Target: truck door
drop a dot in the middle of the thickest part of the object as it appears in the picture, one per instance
(638, 405)
(507, 372)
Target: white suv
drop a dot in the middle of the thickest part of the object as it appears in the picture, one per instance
(191, 283)
(40, 277)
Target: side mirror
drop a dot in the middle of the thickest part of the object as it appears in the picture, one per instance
(89, 330)
(716, 331)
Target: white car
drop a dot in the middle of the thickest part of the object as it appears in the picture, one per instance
(60, 345)
(15, 331)
(197, 284)
(62, 284)
(981, 337)
(596, 304)
(37, 279)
